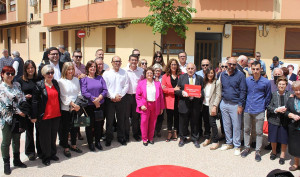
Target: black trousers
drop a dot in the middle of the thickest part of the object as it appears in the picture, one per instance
(214, 128)
(193, 114)
(65, 127)
(29, 142)
(135, 117)
(205, 117)
(48, 132)
(173, 117)
(96, 125)
(118, 109)
(221, 121)
(159, 122)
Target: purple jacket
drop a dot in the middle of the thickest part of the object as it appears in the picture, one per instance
(141, 96)
(92, 88)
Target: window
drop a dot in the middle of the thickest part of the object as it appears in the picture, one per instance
(175, 42)
(243, 41)
(54, 5)
(2, 7)
(292, 43)
(23, 34)
(66, 4)
(98, 0)
(110, 40)
(12, 5)
(42, 41)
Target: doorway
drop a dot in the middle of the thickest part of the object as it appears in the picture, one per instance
(208, 46)
(9, 41)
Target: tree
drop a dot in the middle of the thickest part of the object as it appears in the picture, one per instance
(165, 15)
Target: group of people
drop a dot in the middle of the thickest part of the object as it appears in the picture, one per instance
(50, 96)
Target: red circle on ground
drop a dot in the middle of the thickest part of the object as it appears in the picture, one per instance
(81, 33)
(166, 171)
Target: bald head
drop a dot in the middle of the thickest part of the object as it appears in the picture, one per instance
(205, 64)
(231, 65)
(277, 72)
(191, 68)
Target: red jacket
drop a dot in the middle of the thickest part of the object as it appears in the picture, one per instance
(168, 91)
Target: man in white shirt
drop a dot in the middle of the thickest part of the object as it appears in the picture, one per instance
(117, 83)
(182, 61)
(135, 74)
(100, 54)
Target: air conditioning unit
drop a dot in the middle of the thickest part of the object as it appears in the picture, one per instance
(33, 3)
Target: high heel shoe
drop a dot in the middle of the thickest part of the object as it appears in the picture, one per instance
(170, 134)
(175, 137)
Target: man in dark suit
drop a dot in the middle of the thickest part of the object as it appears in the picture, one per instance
(53, 60)
(189, 107)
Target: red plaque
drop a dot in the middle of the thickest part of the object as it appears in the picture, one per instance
(81, 33)
(193, 90)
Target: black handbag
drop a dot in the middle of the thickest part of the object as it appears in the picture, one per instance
(81, 121)
(99, 115)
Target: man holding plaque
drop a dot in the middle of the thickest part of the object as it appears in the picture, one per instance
(190, 101)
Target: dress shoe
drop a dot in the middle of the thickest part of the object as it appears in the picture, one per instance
(123, 142)
(75, 149)
(31, 157)
(67, 153)
(226, 147)
(92, 147)
(46, 162)
(206, 142)
(107, 143)
(196, 143)
(281, 161)
(181, 143)
(55, 158)
(293, 168)
(98, 146)
(145, 143)
(137, 137)
(272, 156)
(151, 142)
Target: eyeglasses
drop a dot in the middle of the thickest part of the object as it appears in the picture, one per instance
(231, 64)
(10, 74)
(205, 65)
(224, 66)
(117, 61)
(78, 56)
(158, 56)
(48, 73)
(56, 54)
(258, 56)
(149, 73)
(143, 63)
(182, 56)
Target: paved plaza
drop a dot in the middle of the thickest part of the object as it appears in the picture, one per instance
(120, 161)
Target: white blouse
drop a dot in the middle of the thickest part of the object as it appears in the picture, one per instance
(207, 91)
(151, 91)
(69, 91)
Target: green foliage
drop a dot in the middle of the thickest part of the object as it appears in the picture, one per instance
(165, 15)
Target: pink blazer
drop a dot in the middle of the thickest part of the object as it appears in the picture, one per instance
(168, 91)
(141, 96)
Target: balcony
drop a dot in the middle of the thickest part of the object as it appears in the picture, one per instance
(14, 13)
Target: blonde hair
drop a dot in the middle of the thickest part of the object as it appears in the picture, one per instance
(296, 85)
(65, 69)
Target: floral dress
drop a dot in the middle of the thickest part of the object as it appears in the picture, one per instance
(10, 98)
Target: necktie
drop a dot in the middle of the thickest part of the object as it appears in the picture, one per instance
(191, 81)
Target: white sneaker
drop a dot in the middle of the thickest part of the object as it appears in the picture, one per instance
(226, 147)
(237, 151)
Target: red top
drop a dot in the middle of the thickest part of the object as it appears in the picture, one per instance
(52, 107)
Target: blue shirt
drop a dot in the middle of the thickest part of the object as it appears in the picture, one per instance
(234, 87)
(258, 95)
(200, 73)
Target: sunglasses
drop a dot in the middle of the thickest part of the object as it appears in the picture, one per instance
(231, 64)
(48, 73)
(144, 63)
(78, 56)
(205, 65)
(224, 66)
(10, 74)
(158, 56)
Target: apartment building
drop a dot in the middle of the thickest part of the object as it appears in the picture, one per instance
(220, 28)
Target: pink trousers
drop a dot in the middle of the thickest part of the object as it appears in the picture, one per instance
(148, 121)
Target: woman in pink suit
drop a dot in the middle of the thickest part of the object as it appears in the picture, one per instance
(150, 103)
